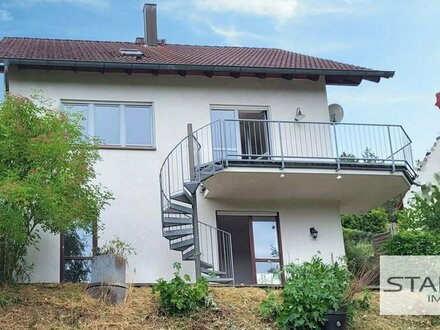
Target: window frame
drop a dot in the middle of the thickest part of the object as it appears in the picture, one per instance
(64, 258)
(122, 123)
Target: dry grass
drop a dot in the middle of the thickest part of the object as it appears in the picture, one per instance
(369, 320)
(69, 307)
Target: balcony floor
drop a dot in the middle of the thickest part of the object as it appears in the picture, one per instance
(362, 187)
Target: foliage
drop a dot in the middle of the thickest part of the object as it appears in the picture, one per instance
(270, 308)
(374, 221)
(415, 243)
(46, 178)
(357, 236)
(368, 156)
(347, 157)
(118, 247)
(179, 297)
(423, 212)
(310, 291)
(7, 300)
(358, 254)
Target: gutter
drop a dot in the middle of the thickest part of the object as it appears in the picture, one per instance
(217, 68)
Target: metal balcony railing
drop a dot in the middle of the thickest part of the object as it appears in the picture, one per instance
(280, 144)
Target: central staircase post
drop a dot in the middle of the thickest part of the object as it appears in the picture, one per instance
(194, 203)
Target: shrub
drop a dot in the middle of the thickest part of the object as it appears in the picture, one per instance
(270, 308)
(374, 221)
(415, 243)
(6, 300)
(118, 247)
(310, 291)
(357, 236)
(358, 255)
(179, 297)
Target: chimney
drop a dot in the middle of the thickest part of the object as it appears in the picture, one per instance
(150, 24)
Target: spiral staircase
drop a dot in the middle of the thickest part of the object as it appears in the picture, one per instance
(190, 163)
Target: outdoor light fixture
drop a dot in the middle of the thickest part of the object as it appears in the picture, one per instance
(282, 175)
(313, 232)
(339, 177)
(299, 115)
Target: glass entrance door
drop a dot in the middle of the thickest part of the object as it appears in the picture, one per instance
(265, 250)
(225, 135)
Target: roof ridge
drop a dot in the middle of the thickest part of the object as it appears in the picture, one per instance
(61, 39)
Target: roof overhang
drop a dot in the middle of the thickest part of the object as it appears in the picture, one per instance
(332, 77)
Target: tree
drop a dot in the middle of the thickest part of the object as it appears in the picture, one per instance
(46, 178)
(423, 212)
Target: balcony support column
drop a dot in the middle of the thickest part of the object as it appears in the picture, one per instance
(195, 220)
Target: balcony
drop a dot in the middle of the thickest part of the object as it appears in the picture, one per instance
(355, 166)
(358, 166)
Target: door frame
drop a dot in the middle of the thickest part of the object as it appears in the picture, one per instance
(251, 237)
(250, 108)
(254, 260)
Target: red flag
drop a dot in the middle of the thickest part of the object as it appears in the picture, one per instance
(437, 104)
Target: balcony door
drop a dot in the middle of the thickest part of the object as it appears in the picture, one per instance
(241, 133)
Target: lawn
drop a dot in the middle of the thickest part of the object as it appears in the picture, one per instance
(67, 306)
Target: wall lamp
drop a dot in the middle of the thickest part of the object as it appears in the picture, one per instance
(299, 115)
(313, 232)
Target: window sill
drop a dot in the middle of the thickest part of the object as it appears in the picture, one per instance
(103, 147)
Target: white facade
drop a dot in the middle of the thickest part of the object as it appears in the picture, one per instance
(132, 175)
(426, 171)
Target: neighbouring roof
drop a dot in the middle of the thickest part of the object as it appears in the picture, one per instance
(181, 59)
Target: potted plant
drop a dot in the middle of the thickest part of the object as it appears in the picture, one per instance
(109, 272)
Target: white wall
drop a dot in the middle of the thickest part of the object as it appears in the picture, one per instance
(132, 175)
(425, 174)
(295, 222)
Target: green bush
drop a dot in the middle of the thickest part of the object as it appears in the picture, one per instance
(359, 255)
(357, 236)
(179, 297)
(310, 291)
(374, 221)
(415, 243)
(270, 308)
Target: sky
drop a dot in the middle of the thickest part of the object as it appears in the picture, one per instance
(395, 35)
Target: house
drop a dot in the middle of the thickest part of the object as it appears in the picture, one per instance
(426, 171)
(223, 158)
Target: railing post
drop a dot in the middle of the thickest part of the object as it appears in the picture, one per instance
(223, 123)
(281, 145)
(391, 149)
(190, 151)
(338, 161)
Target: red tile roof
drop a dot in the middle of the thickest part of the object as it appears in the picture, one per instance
(169, 54)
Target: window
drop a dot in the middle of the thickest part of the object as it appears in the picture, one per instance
(77, 248)
(118, 125)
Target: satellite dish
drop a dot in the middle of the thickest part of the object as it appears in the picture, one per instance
(336, 112)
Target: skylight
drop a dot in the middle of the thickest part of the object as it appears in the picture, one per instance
(131, 52)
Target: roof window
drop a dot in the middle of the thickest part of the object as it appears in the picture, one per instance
(131, 52)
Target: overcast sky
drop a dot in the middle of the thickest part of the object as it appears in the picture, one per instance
(398, 35)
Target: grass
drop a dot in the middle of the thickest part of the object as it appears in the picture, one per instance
(67, 306)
